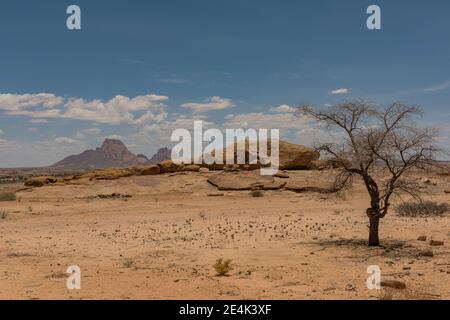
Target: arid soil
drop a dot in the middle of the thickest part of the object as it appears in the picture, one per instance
(158, 237)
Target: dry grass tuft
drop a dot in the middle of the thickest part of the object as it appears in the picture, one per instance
(422, 209)
(8, 196)
(223, 267)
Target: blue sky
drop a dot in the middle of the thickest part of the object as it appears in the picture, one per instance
(229, 63)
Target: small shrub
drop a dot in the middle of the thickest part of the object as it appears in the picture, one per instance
(425, 209)
(128, 263)
(7, 196)
(223, 267)
(3, 214)
(256, 193)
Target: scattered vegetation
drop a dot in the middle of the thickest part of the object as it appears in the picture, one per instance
(7, 196)
(422, 208)
(57, 275)
(128, 263)
(3, 214)
(377, 138)
(223, 267)
(18, 254)
(256, 193)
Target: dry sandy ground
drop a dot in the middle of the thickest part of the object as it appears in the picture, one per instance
(163, 241)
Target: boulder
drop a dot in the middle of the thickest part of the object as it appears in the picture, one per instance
(244, 181)
(436, 243)
(169, 166)
(149, 170)
(40, 181)
(191, 167)
(291, 157)
(319, 165)
(281, 174)
(312, 181)
(295, 156)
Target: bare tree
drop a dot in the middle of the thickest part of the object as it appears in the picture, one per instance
(380, 145)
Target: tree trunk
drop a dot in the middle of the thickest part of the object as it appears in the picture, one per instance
(374, 219)
(374, 240)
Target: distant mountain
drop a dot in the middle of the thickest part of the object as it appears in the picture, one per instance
(162, 155)
(112, 153)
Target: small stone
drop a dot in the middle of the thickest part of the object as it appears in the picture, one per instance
(350, 287)
(422, 238)
(281, 174)
(426, 253)
(436, 243)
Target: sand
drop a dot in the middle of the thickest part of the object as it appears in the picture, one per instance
(160, 239)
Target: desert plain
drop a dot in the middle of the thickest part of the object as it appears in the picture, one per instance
(158, 237)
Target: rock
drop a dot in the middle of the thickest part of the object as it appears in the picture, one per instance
(436, 243)
(422, 238)
(150, 170)
(169, 166)
(244, 181)
(429, 181)
(319, 165)
(393, 284)
(191, 167)
(40, 181)
(426, 253)
(231, 167)
(203, 170)
(282, 175)
(302, 189)
(446, 191)
(312, 181)
(109, 174)
(295, 156)
(291, 157)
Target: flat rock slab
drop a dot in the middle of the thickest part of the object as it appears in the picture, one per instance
(245, 181)
(312, 181)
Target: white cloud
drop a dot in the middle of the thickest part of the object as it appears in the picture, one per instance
(117, 110)
(340, 91)
(114, 136)
(439, 87)
(213, 103)
(284, 108)
(16, 102)
(66, 140)
(262, 120)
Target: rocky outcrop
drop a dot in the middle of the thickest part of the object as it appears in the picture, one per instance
(112, 153)
(291, 157)
(40, 181)
(149, 170)
(244, 181)
(169, 166)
